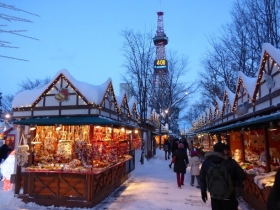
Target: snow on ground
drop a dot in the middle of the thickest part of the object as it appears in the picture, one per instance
(152, 186)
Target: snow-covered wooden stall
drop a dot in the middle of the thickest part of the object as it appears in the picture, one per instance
(249, 122)
(76, 142)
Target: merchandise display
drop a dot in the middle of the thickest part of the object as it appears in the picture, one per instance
(79, 149)
(252, 148)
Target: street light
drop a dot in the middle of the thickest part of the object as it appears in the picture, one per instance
(174, 125)
(7, 116)
(160, 119)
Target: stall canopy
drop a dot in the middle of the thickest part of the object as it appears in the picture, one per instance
(82, 120)
(249, 122)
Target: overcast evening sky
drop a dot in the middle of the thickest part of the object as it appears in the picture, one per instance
(83, 36)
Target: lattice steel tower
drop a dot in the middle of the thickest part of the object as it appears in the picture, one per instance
(160, 75)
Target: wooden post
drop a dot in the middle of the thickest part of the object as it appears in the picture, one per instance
(266, 149)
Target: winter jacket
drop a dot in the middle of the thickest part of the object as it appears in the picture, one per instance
(186, 145)
(237, 173)
(194, 164)
(4, 152)
(167, 146)
(174, 147)
(181, 161)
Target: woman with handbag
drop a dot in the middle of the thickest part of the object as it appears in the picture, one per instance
(180, 164)
(174, 147)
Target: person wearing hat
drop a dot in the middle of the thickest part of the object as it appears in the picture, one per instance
(218, 159)
(194, 170)
(180, 164)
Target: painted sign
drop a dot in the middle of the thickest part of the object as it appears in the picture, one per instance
(62, 95)
(242, 108)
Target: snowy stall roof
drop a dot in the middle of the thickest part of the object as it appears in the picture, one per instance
(274, 53)
(251, 84)
(91, 93)
(120, 98)
(219, 103)
(230, 96)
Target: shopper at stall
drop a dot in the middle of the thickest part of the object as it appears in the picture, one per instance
(4, 152)
(174, 147)
(220, 174)
(180, 164)
(273, 201)
(194, 168)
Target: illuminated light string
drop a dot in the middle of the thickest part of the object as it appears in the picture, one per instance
(58, 82)
(265, 58)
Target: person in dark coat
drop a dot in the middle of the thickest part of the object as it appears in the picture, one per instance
(181, 164)
(167, 147)
(4, 152)
(174, 147)
(273, 201)
(186, 145)
(237, 175)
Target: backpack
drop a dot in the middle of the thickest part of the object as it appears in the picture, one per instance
(219, 181)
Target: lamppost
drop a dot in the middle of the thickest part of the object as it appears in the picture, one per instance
(7, 117)
(173, 119)
(160, 119)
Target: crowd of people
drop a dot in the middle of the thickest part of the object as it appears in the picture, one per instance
(216, 174)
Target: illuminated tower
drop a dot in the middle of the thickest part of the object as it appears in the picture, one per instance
(160, 75)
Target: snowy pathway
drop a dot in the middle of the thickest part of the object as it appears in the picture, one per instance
(152, 186)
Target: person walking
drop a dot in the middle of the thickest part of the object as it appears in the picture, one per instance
(174, 147)
(166, 147)
(220, 174)
(180, 164)
(194, 168)
(186, 145)
(273, 200)
(190, 147)
(4, 153)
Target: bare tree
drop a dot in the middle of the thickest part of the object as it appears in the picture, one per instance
(27, 84)
(138, 51)
(195, 111)
(6, 103)
(179, 92)
(239, 45)
(11, 18)
(217, 71)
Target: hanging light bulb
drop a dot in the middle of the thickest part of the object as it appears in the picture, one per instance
(58, 127)
(32, 127)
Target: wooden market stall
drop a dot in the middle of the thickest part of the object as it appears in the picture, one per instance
(76, 142)
(249, 122)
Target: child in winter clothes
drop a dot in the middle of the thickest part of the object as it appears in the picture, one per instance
(194, 164)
